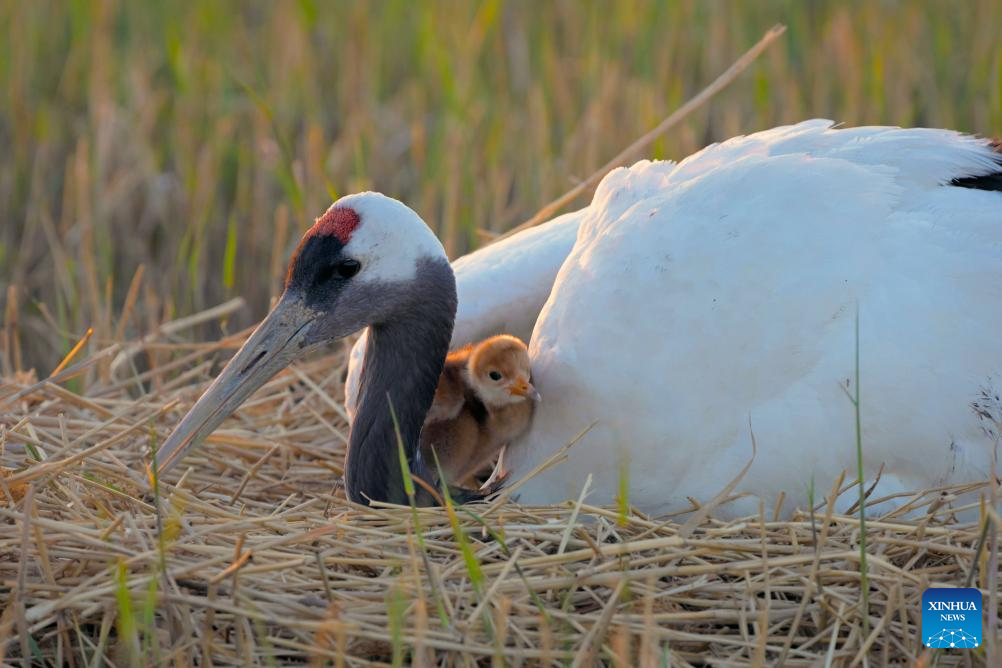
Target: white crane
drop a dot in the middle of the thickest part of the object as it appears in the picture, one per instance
(688, 306)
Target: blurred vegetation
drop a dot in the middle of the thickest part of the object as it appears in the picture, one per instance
(199, 139)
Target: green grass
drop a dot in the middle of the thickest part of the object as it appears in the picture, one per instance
(864, 584)
(470, 560)
(128, 633)
(854, 398)
(409, 489)
(623, 489)
(201, 138)
(397, 608)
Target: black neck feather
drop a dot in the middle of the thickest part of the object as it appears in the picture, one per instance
(403, 361)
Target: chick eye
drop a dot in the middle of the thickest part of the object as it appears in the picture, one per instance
(495, 375)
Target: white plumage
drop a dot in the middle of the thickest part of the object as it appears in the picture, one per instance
(693, 303)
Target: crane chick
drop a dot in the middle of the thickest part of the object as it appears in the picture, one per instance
(484, 400)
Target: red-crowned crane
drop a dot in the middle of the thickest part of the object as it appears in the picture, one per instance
(687, 307)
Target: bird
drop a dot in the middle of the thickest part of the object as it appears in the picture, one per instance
(453, 388)
(745, 317)
(483, 401)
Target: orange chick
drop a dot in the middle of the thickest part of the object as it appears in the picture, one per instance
(484, 400)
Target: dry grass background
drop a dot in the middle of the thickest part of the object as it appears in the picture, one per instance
(199, 139)
(161, 158)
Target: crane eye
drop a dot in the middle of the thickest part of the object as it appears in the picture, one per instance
(495, 375)
(343, 269)
(347, 268)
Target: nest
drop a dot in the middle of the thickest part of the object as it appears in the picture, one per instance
(252, 554)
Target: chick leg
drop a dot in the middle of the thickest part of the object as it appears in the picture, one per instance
(498, 475)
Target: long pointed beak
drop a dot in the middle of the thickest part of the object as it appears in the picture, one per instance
(270, 348)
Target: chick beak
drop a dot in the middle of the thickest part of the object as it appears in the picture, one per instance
(523, 388)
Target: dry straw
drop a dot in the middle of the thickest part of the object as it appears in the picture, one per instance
(253, 555)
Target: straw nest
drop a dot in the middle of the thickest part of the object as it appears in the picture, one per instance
(253, 555)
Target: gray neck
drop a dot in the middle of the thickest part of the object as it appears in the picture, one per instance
(403, 361)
